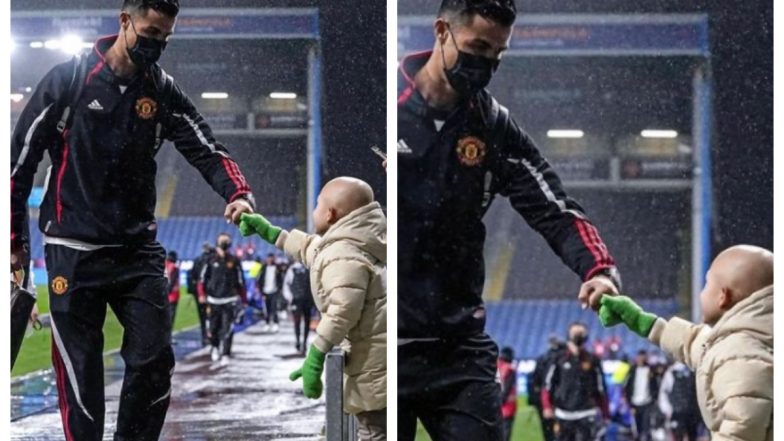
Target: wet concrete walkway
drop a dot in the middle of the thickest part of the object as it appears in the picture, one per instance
(250, 399)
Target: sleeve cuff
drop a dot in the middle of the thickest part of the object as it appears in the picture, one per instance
(280, 243)
(242, 194)
(292, 243)
(322, 344)
(656, 331)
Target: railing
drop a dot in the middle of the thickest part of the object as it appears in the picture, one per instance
(340, 426)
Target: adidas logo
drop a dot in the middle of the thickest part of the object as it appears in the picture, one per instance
(402, 147)
(95, 105)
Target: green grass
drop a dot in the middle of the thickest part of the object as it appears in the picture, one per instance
(36, 352)
(526, 425)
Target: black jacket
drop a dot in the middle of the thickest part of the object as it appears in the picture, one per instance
(195, 272)
(447, 180)
(101, 187)
(575, 382)
(279, 275)
(536, 381)
(222, 277)
(653, 384)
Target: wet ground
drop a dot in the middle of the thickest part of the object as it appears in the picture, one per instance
(250, 399)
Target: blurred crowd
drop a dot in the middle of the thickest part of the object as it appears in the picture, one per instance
(235, 285)
(585, 390)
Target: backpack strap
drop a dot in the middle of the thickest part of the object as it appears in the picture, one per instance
(165, 91)
(69, 99)
(496, 124)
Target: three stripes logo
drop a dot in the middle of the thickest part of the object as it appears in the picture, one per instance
(95, 105)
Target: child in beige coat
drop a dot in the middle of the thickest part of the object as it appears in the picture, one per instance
(347, 262)
(731, 353)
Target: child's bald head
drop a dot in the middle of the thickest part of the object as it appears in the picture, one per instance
(735, 274)
(338, 198)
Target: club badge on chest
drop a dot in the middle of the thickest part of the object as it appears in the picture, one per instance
(471, 151)
(146, 108)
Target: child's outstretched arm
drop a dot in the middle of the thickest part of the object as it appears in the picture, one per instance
(297, 244)
(680, 338)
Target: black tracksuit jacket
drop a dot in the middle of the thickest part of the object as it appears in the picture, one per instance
(447, 180)
(101, 187)
(222, 278)
(575, 382)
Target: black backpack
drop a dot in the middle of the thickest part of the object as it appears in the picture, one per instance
(683, 396)
(300, 285)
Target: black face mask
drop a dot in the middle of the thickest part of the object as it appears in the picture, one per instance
(579, 339)
(146, 52)
(224, 245)
(471, 73)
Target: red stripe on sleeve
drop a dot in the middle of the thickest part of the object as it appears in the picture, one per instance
(587, 241)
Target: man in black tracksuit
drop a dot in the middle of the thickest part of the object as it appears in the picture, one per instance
(641, 391)
(102, 118)
(457, 149)
(536, 382)
(297, 282)
(222, 285)
(193, 280)
(575, 393)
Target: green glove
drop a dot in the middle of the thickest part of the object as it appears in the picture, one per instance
(311, 373)
(256, 223)
(622, 309)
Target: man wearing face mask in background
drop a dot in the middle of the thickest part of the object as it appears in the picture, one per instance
(574, 392)
(221, 285)
(457, 149)
(102, 117)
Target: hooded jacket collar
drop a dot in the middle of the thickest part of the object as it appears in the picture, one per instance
(366, 227)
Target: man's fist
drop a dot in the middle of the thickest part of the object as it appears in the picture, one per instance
(591, 292)
(310, 372)
(258, 224)
(622, 309)
(235, 209)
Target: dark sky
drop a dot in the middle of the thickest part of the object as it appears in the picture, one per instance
(742, 46)
(742, 42)
(354, 106)
(354, 39)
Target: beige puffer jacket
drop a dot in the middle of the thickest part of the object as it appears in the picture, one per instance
(733, 363)
(348, 277)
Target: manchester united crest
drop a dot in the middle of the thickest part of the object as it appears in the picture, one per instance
(146, 108)
(59, 285)
(471, 151)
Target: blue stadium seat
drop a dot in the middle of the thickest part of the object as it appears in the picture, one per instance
(525, 325)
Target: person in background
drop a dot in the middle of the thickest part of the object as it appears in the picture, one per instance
(271, 280)
(537, 379)
(508, 376)
(254, 295)
(574, 392)
(296, 290)
(640, 391)
(222, 284)
(283, 304)
(193, 280)
(172, 283)
(678, 402)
